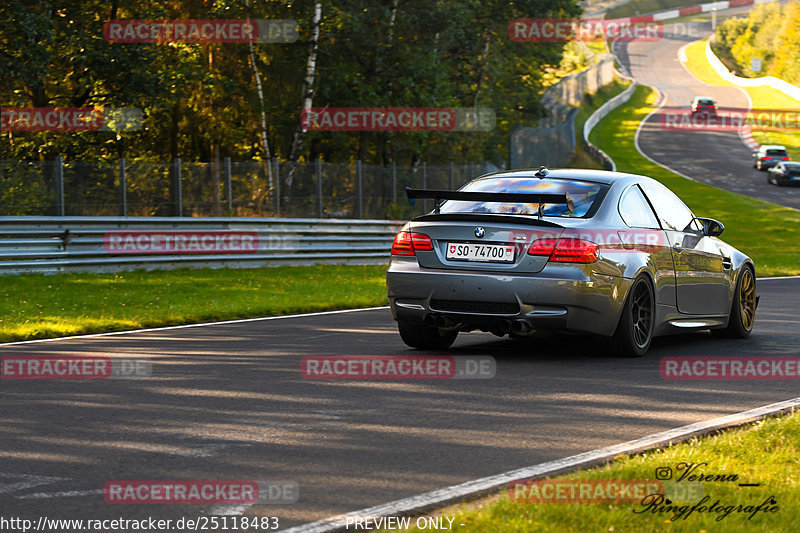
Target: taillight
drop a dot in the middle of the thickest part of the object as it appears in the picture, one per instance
(575, 251)
(565, 250)
(407, 243)
(766, 158)
(786, 158)
(421, 242)
(711, 106)
(542, 247)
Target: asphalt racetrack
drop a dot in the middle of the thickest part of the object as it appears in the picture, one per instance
(229, 402)
(718, 158)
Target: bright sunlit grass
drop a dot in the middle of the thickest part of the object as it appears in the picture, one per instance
(38, 306)
(767, 453)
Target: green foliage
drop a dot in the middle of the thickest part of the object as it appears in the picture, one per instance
(770, 32)
(200, 96)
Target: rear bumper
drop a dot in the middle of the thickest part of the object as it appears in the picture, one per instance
(566, 297)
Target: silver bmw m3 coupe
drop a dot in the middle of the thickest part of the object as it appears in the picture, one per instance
(604, 253)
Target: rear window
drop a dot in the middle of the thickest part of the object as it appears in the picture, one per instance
(705, 102)
(793, 170)
(584, 193)
(774, 151)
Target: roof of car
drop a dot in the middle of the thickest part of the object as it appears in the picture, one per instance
(703, 97)
(599, 176)
(791, 164)
(772, 147)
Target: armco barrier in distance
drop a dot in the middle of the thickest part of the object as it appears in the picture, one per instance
(112, 244)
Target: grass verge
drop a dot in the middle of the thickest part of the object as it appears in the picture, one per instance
(38, 306)
(767, 232)
(766, 453)
(762, 97)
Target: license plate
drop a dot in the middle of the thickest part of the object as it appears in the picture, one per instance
(485, 253)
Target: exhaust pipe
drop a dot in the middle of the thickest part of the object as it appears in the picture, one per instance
(521, 327)
(443, 321)
(439, 321)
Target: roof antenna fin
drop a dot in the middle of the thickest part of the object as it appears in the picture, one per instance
(542, 172)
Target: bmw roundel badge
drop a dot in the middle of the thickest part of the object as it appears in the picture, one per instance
(480, 232)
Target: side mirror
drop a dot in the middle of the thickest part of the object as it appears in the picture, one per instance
(711, 227)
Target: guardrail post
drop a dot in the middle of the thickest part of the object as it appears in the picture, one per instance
(359, 186)
(319, 187)
(60, 209)
(228, 187)
(394, 182)
(276, 172)
(178, 185)
(123, 188)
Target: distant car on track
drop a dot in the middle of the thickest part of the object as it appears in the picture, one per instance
(784, 173)
(704, 104)
(605, 253)
(769, 155)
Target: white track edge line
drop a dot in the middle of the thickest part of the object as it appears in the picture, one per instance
(479, 487)
(238, 321)
(662, 100)
(203, 324)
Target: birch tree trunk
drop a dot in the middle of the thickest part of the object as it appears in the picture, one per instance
(264, 141)
(308, 97)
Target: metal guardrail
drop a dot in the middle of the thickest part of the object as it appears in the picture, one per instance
(113, 244)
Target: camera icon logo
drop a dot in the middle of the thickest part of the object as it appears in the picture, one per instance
(663, 473)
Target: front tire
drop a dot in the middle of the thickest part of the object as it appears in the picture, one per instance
(634, 331)
(426, 337)
(743, 309)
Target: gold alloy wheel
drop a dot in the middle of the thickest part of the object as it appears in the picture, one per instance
(747, 299)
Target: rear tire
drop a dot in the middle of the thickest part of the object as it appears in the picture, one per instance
(426, 337)
(634, 331)
(743, 309)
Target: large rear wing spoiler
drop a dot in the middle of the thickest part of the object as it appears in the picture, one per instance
(504, 197)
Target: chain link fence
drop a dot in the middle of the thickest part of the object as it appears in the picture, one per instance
(232, 188)
(552, 141)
